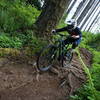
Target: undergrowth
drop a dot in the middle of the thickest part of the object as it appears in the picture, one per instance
(90, 90)
(16, 15)
(20, 41)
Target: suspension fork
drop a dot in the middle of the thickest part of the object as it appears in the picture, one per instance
(61, 48)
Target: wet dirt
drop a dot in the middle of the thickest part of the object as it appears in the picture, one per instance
(20, 80)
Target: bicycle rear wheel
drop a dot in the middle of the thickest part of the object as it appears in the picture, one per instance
(46, 58)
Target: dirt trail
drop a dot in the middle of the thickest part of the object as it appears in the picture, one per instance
(20, 81)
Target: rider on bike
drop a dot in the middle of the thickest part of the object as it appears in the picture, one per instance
(75, 33)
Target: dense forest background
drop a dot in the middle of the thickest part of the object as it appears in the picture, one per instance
(18, 30)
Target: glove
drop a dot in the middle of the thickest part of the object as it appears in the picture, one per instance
(53, 31)
(75, 36)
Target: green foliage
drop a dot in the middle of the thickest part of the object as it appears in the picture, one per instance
(95, 42)
(20, 40)
(95, 71)
(62, 22)
(91, 40)
(35, 43)
(85, 93)
(16, 15)
(9, 42)
(36, 3)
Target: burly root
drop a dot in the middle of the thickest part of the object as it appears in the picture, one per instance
(69, 76)
(36, 71)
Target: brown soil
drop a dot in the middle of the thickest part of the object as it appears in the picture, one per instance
(19, 80)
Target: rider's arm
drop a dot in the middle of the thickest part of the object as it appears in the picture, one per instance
(62, 29)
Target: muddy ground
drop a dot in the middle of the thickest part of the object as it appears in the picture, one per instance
(20, 80)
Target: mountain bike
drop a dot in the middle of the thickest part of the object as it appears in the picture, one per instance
(52, 52)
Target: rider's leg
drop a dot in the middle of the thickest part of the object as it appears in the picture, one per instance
(76, 43)
(70, 40)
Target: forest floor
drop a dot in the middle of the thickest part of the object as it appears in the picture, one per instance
(20, 80)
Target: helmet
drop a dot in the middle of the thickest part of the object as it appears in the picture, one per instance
(72, 23)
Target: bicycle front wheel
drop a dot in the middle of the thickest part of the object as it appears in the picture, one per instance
(67, 58)
(46, 58)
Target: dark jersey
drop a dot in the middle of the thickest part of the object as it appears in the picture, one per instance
(75, 31)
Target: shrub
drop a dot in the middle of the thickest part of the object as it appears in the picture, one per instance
(16, 15)
(9, 42)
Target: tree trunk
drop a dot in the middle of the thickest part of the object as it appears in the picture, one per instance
(50, 16)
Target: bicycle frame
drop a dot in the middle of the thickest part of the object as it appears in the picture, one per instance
(52, 53)
(60, 48)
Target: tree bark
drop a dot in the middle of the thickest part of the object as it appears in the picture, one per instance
(50, 16)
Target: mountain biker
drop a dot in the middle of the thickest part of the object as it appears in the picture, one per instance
(75, 34)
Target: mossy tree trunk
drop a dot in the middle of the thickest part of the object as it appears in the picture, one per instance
(50, 16)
